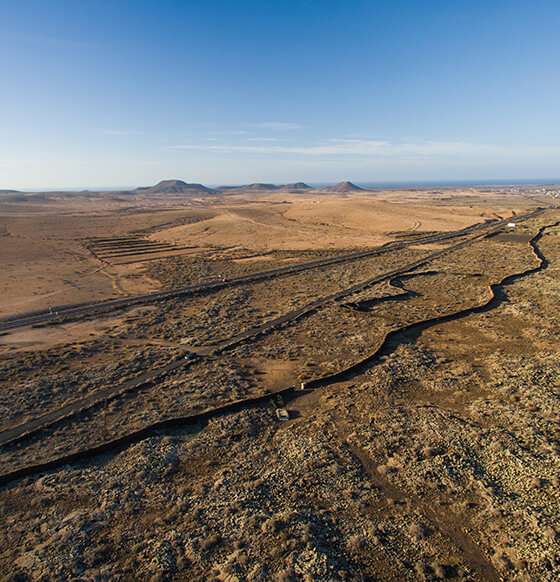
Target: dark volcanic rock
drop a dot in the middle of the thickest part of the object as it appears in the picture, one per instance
(298, 186)
(174, 187)
(259, 186)
(256, 187)
(343, 187)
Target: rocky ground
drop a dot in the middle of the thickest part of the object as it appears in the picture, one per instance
(37, 382)
(210, 319)
(237, 262)
(439, 459)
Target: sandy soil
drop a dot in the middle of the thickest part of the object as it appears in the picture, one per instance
(435, 455)
(46, 263)
(326, 221)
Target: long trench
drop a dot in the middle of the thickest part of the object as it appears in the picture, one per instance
(392, 340)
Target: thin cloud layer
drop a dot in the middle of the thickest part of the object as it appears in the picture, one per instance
(122, 132)
(277, 126)
(385, 149)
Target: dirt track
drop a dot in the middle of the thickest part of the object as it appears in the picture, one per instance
(390, 342)
(424, 447)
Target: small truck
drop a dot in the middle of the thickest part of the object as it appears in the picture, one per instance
(282, 414)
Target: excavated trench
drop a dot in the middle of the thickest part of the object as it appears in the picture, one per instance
(412, 332)
(15, 434)
(397, 283)
(407, 334)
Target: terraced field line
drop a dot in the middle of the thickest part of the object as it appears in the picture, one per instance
(288, 393)
(56, 314)
(30, 427)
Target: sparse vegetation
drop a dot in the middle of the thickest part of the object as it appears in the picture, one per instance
(439, 458)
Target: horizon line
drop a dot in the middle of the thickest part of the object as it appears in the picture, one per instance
(362, 183)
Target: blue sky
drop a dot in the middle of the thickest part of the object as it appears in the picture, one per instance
(125, 93)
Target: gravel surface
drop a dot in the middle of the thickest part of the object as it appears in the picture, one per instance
(438, 460)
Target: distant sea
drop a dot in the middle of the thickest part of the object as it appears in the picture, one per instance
(444, 183)
(405, 184)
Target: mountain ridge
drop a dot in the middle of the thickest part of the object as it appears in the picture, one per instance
(175, 187)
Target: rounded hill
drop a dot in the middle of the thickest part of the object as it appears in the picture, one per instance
(174, 187)
(343, 187)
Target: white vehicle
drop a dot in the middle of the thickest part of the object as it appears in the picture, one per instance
(282, 414)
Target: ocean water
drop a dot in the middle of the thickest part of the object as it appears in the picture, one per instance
(444, 183)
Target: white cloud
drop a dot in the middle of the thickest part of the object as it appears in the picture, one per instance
(263, 139)
(277, 126)
(385, 149)
(229, 132)
(121, 132)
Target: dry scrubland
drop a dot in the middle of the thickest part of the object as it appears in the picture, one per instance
(44, 240)
(437, 458)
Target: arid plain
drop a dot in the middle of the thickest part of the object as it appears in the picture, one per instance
(411, 335)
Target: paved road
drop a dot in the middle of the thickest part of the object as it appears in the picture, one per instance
(150, 430)
(80, 309)
(25, 429)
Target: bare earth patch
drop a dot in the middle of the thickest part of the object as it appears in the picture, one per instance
(425, 447)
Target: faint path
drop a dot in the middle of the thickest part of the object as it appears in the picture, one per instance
(387, 346)
(115, 283)
(446, 523)
(59, 313)
(114, 280)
